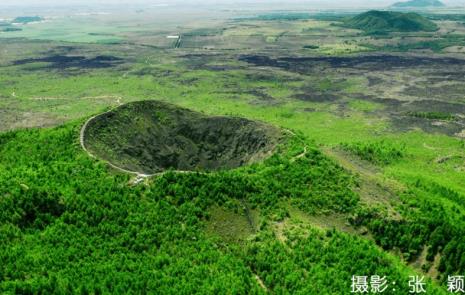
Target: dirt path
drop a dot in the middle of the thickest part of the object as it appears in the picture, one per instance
(428, 147)
(305, 151)
(301, 155)
(261, 283)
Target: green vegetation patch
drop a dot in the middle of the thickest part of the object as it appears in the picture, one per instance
(311, 47)
(11, 29)
(378, 152)
(433, 115)
(364, 106)
(230, 225)
(308, 255)
(27, 19)
(77, 228)
(152, 136)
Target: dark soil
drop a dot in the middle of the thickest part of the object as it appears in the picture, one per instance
(362, 62)
(316, 97)
(405, 123)
(436, 106)
(62, 62)
(434, 96)
(321, 90)
(453, 91)
(269, 77)
(150, 137)
(373, 81)
(401, 114)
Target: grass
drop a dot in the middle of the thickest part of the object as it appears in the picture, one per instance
(231, 226)
(426, 149)
(342, 48)
(364, 106)
(68, 32)
(380, 153)
(433, 115)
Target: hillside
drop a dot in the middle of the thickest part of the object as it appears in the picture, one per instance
(389, 21)
(418, 4)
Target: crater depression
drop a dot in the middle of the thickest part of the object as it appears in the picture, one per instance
(151, 136)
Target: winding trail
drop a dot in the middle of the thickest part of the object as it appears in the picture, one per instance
(305, 151)
(301, 155)
(261, 283)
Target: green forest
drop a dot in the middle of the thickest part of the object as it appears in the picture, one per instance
(69, 225)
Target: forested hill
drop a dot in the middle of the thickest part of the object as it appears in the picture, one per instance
(69, 225)
(390, 21)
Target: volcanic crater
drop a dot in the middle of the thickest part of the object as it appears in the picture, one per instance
(150, 137)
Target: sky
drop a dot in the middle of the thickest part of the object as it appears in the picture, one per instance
(333, 3)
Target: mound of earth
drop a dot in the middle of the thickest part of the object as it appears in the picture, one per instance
(390, 21)
(150, 136)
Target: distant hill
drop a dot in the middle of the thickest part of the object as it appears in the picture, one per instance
(27, 19)
(388, 21)
(11, 29)
(418, 4)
